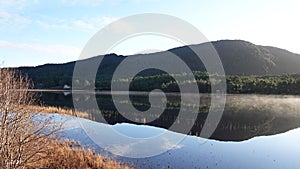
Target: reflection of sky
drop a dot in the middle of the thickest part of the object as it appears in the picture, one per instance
(128, 140)
(141, 131)
(278, 151)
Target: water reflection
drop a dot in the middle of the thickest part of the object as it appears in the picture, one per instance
(277, 151)
(245, 116)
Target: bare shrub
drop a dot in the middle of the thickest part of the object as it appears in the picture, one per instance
(23, 134)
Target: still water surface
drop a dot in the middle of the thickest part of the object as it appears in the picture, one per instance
(244, 117)
(256, 131)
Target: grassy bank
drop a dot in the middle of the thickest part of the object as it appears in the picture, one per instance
(69, 154)
(58, 110)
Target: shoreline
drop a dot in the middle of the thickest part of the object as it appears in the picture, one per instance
(107, 92)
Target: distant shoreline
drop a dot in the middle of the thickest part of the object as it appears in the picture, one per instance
(106, 92)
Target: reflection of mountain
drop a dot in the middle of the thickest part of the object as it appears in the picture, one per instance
(244, 117)
(238, 58)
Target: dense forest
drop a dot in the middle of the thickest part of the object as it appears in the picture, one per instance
(273, 84)
(280, 84)
(284, 84)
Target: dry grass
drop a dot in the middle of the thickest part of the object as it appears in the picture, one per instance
(58, 110)
(71, 155)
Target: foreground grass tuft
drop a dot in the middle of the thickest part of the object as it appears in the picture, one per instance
(71, 155)
(58, 110)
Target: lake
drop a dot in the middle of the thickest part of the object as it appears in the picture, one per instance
(256, 131)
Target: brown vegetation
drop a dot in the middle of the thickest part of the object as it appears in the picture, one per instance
(58, 110)
(71, 155)
(23, 134)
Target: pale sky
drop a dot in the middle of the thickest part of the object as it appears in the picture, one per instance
(35, 32)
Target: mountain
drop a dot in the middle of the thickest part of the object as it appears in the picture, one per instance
(244, 58)
(238, 58)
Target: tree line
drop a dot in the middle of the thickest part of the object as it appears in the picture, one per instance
(268, 84)
(275, 84)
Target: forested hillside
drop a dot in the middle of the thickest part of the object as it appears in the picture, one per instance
(246, 65)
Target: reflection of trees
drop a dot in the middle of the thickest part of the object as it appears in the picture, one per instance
(245, 116)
